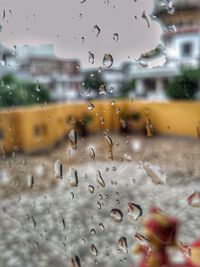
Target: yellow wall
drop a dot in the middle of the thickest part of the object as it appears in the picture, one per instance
(36, 128)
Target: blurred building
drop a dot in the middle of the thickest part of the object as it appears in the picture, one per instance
(181, 40)
(61, 76)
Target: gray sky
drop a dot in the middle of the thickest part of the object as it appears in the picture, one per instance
(37, 22)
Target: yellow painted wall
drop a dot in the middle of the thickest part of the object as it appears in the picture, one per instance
(36, 128)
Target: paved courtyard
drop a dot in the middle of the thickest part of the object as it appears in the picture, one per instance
(48, 221)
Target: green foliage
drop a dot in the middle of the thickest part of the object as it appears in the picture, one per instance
(93, 81)
(128, 87)
(14, 92)
(184, 86)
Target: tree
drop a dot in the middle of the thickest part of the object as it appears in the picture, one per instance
(184, 86)
(127, 87)
(93, 81)
(14, 92)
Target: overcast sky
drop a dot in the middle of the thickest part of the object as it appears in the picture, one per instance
(65, 22)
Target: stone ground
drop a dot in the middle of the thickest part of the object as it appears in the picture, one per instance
(48, 224)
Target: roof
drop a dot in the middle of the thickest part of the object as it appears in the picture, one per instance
(160, 5)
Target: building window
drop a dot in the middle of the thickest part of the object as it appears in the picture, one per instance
(186, 49)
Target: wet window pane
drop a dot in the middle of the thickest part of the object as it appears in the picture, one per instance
(99, 133)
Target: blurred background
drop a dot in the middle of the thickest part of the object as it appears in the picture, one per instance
(78, 140)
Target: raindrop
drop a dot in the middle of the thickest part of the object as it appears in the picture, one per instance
(91, 57)
(4, 14)
(73, 181)
(98, 205)
(1, 28)
(73, 138)
(72, 195)
(90, 106)
(115, 36)
(145, 18)
(117, 201)
(123, 123)
(144, 242)
(154, 58)
(155, 175)
(30, 180)
(122, 245)
(107, 60)
(94, 250)
(83, 1)
(110, 144)
(100, 197)
(83, 39)
(97, 29)
(194, 199)
(134, 211)
(100, 180)
(34, 222)
(102, 90)
(91, 189)
(75, 260)
(101, 227)
(117, 110)
(93, 231)
(92, 153)
(58, 169)
(116, 215)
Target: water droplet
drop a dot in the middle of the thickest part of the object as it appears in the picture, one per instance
(98, 205)
(72, 195)
(90, 106)
(94, 250)
(75, 260)
(101, 227)
(92, 153)
(58, 169)
(134, 211)
(110, 144)
(149, 128)
(153, 58)
(93, 231)
(30, 180)
(144, 242)
(100, 197)
(91, 57)
(123, 123)
(73, 181)
(146, 19)
(91, 189)
(102, 90)
(122, 245)
(116, 215)
(194, 199)
(107, 61)
(97, 29)
(115, 36)
(155, 175)
(100, 180)
(73, 138)
(34, 222)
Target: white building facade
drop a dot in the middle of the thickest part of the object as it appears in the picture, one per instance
(181, 39)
